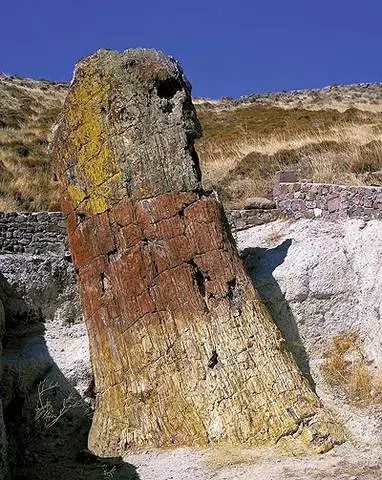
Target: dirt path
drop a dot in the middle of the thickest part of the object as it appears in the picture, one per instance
(343, 463)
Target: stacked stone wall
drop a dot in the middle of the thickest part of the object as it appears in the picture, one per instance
(32, 233)
(45, 232)
(243, 219)
(314, 200)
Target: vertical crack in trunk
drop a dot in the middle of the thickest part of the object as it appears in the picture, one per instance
(200, 283)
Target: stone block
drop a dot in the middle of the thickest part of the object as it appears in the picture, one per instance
(333, 205)
(258, 202)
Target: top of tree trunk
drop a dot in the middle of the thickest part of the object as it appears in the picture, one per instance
(142, 99)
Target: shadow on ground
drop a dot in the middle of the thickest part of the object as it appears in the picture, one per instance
(46, 419)
(260, 264)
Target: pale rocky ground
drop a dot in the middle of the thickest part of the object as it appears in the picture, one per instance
(343, 463)
(320, 279)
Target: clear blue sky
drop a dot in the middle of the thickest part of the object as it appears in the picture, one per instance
(225, 47)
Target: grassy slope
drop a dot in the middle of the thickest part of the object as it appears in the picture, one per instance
(244, 142)
(28, 109)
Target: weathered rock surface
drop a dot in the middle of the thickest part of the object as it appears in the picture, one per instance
(45, 342)
(3, 436)
(183, 350)
(320, 279)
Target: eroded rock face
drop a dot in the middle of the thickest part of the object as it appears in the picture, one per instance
(45, 343)
(183, 351)
(3, 436)
(322, 279)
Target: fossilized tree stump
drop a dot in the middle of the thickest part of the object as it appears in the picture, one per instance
(183, 351)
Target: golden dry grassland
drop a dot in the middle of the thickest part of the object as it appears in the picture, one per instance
(332, 135)
(28, 109)
(244, 146)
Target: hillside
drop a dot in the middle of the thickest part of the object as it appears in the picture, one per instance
(333, 134)
(28, 109)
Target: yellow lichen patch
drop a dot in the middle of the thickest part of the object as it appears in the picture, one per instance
(97, 204)
(95, 160)
(76, 194)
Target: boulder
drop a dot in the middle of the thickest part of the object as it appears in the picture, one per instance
(259, 203)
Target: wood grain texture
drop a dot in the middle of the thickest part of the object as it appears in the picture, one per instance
(183, 351)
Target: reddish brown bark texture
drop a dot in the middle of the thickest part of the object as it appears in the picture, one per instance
(183, 351)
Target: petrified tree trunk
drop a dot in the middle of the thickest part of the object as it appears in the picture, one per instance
(183, 351)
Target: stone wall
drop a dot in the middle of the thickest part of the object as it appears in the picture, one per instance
(311, 200)
(243, 219)
(32, 233)
(44, 232)
(36, 265)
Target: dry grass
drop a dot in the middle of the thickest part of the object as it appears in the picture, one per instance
(345, 368)
(28, 109)
(242, 147)
(245, 146)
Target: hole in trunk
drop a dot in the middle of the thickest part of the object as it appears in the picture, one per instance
(199, 281)
(168, 88)
(213, 360)
(80, 217)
